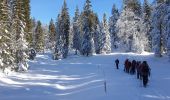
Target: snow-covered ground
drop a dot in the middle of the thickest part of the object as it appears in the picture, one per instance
(82, 78)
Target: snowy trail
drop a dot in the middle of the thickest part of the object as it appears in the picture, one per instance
(82, 78)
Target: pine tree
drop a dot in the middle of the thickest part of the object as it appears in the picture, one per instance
(166, 31)
(6, 58)
(71, 35)
(58, 47)
(112, 26)
(106, 41)
(18, 31)
(33, 24)
(130, 28)
(52, 34)
(39, 38)
(88, 21)
(167, 19)
(159, 34)
(76, 31)
(46, 37)
(133, 5)
(64, 29)
(97, 36)
(168, 47)
(27, 21)
(147, 25)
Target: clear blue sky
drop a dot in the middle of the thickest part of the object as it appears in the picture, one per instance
(44, 10)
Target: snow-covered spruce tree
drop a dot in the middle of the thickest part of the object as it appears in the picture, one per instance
(33, 24)
(71, 35)
(134, 5)
(147, 25)
(46, 37)
(76, 32)
(168, 47)
(18, 26)
(88, 21)
(39, 38)
(64, 28)
(112, 26)
(166, 25)
(106, 41)
(52, 35)
(159, 34)
(129, 24)
(58, 47)
(166, 31)
(27, 21)
(6, 58)
(167, 19)
(97, 36)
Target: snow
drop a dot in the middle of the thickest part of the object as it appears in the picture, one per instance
(82, 78)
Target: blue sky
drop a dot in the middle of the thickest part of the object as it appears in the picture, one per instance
(44, 10)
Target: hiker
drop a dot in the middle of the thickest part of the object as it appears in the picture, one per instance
(129, 66)
(138, 69)
(117, 63)
(126, 65)
(32, 54)
(145, 71)
(133, 67)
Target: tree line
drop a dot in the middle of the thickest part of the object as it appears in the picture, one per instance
(136, 28)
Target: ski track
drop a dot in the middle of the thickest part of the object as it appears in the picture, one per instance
(82, 78)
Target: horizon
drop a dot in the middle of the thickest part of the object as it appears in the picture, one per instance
(49, 10)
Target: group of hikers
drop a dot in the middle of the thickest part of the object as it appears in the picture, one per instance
(141, 69)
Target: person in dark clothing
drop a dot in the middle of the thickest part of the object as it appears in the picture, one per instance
(138, 69)
(145, 71)
(126, 65)
(117, 63)
(133, 67)
(129, 66)
(32, 54)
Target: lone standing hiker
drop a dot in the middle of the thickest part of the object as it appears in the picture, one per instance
(145, 71)
(117, 63)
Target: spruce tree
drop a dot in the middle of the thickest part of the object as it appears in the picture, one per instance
(18, 31)
(71, 35)
(6, 58)
(130, 28)
(159, 34)
(52, 34)
(166, 29)
(33, 24)
(168, 47)
(147, 25)
(97, 36)
(39, 38)
(58, 47)
(133, 5)
(106, 41)
(76, 31)
(112, 26)
(88, 21)
(64, 29)
(27, 21)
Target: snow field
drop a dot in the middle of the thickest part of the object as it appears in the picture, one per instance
(82, 78)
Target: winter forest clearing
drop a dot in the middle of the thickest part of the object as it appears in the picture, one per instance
(37, 59)
(79, 77)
